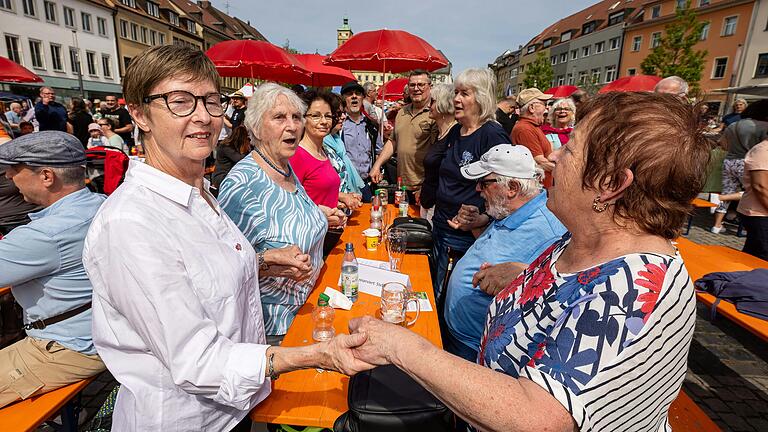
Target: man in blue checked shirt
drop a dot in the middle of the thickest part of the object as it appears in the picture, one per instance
(42, 261)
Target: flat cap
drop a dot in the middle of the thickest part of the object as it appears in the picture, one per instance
(351, 86)
(46, 148)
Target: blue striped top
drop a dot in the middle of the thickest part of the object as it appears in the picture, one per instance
(271, 217)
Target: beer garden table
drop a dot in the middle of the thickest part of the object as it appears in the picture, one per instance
(313, 398)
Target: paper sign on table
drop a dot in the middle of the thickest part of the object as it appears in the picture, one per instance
(384, 265)
(371, 280)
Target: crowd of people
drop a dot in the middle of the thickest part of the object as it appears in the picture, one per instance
(565, 287)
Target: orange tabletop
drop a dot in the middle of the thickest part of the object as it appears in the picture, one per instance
(700, 203)
(313, 398)
(5, 290)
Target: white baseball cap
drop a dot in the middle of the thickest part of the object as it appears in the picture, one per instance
(504, 159)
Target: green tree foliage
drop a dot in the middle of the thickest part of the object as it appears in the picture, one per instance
(539, 73)
(675, 54)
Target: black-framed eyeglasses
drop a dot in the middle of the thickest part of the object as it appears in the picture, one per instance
(485, 183)
(420, 85)
(183, 103)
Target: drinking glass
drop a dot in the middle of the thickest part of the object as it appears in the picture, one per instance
(394, 303)
(396, 243)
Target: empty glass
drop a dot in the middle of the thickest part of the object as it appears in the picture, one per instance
(396, 242)
(394, 303)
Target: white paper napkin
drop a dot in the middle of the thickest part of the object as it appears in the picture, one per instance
(337, 299)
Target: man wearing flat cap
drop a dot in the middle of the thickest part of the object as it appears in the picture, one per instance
(527, 131)
(42, 262)
(521, 228)
(360, 135)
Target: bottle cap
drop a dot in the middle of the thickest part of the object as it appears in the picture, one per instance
(323, 299)
(350, 247)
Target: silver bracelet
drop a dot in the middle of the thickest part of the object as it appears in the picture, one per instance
(271, 367)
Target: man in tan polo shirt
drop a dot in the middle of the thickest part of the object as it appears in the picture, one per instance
(527, 131)
(413, 133)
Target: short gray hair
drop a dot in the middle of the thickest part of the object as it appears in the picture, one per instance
(15, 104)
(368, 86)
(674, 79)
(442, 94)
(483, 82)
(264, 99)
(71, 175)
(528, 187)
(568, 104)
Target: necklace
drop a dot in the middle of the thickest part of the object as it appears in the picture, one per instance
(273, 166)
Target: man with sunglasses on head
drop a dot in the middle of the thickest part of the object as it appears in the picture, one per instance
(527, 131)
(121, 117)
(521, 228)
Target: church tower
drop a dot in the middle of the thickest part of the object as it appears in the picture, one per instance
(343, 33)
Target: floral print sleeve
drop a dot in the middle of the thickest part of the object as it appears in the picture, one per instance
(610, 343)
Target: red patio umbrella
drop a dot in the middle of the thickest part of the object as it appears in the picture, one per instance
(323, 75)
(256, 59)
(387, 51)
(562, 91)
(392, 90)
(632, 83)
(10, 71)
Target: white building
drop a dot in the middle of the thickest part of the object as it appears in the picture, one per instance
(51, 37)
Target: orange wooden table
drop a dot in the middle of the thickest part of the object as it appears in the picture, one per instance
(312, 398)
(686, 416)
(30, 413)
(5, 290)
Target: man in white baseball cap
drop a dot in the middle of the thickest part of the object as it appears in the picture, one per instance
(521, 228)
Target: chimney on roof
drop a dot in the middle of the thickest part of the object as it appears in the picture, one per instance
(204, 3)
(248, 22)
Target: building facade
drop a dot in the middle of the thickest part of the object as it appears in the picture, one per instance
(753, 67)
(724, 36)
(505, 68)
(62, 41)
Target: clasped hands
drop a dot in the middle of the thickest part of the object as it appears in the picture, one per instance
(468, 218)
(371, 343)
(289, 262)
(336, 217)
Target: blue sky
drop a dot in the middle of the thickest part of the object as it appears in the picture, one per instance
(470, 33)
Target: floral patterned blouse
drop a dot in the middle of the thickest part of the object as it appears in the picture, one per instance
(610, 343)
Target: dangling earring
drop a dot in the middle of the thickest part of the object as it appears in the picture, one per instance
(599, 207)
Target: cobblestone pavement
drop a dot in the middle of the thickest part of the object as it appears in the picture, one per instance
(727, 366)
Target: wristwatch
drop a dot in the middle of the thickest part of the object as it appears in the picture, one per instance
(263, 266)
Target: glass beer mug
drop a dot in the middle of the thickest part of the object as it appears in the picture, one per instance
(394, 304)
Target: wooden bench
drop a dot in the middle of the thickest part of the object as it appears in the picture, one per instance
(701, 259)
(697, 203)
(686, 416)
(27, 415)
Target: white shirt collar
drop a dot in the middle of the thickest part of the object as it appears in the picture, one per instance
(161, 183)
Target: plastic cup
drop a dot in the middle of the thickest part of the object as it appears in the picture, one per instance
(371, 239)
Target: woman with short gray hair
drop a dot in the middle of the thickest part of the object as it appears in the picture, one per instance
(459, 208)
(557, 129)
(267, 202)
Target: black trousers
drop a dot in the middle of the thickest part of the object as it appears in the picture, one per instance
(757, 236)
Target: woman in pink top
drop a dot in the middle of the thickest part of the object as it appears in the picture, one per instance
(311, 163)
(753, 206)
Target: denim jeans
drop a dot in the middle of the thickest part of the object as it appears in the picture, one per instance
(445, 238)
(455, 347)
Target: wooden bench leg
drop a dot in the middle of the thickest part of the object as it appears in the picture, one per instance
(688, 225)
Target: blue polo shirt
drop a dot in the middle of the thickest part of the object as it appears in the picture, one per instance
(520, 237)
(43, 263)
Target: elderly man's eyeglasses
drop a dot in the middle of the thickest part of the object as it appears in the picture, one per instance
(317, 117)
(485, 183)
(183, 103)
(420, 85)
